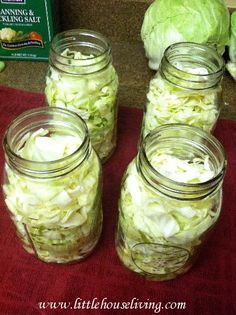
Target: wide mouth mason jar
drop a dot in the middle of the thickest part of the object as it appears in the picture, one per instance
(171, 197)
(81, 78)
(52, 184)
(186, 89)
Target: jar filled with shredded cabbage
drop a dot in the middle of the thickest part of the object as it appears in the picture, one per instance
(81, 78)
(52, 184)
(186, 89)
(170, 199)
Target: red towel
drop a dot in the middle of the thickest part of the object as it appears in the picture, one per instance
(208, 288)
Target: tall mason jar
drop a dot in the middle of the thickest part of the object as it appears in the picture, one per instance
(186, 89)
(170, 199)
(52, 184)
(81, 78)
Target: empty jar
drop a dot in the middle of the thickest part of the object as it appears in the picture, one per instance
(81, 78)
(170, 199)
(52, 184)
(186, 89)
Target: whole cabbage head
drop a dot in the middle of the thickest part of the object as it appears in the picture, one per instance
(169, 21)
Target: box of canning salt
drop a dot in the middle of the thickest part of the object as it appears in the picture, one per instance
(27, 28)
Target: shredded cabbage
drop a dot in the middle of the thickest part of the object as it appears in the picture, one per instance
(167, 103)
(158, 235)
(58, 218)
(92, 96)
(183, 171)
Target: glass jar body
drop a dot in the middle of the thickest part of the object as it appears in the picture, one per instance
(56, 208)
(161, 228)
(86, 84)
(186, 89)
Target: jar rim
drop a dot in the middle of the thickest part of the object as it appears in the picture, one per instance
(31, 165)
(200, 47)
(94, 46)
(155, 178)
(183, 78)
(82, 31)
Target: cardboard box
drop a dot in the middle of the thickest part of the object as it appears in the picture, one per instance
(27, 28)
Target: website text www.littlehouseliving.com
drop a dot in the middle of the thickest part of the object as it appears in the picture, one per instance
(105, 304)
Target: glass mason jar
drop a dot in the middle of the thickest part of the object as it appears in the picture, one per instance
(186, 89)
(171, 197)
(52, 184)
(81, 78)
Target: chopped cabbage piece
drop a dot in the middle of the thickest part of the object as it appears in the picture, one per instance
(185, 171)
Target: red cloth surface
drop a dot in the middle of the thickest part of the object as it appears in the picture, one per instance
(208, 288)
